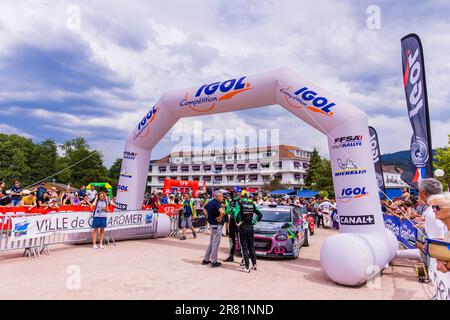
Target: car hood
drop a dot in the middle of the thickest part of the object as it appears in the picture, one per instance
(268, 227)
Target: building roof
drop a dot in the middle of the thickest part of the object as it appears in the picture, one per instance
(392, 169)
(285, 152)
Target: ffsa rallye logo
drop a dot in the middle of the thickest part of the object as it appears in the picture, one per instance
(347, 142)
(143, 128)
(203, 100)
(311, 100)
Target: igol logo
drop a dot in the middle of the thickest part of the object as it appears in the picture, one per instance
(347, 142)
(412, 73)
(348, 194)
(143, 128)
(121, 188)
(310, 99)
(229, 88)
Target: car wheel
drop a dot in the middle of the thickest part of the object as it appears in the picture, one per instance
(306, 240)
(296, 249)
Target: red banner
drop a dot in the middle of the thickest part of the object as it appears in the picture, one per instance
(169, 209)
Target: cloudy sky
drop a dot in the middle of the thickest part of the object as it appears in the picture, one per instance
(94, 68)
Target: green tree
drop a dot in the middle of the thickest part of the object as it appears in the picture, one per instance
(442, 161)
(324, 179)
(114, 172)
(91, 169)
(313, 169)
(15, 159)
(274, 184)
(43, 161)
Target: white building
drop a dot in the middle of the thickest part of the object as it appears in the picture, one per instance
(244, 167)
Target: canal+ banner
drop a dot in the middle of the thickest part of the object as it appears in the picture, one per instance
(28, 227)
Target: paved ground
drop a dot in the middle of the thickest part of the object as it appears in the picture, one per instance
(170, 269)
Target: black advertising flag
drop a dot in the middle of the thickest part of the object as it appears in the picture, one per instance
(377, 159)
(420, 164)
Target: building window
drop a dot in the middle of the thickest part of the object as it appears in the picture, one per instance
(241, 167)
(173, 168)
(229, 167)
(161, 179)
(206, 168)
(252, 177)
(162, 169)
(195, 168)
(253, 166)
(230, 178)
(265, 165)
(266, 178)
(296, 165)
(241, 178)
(305, 165)
(184, 168)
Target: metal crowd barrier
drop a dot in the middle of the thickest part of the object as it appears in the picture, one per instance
(175, 231)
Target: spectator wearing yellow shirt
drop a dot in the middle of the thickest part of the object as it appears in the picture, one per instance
(29, 201)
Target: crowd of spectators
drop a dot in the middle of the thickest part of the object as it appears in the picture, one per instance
(41, 197)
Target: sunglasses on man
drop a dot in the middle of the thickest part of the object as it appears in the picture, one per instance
(437, 207)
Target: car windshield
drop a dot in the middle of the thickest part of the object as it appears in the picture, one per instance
(275, 216)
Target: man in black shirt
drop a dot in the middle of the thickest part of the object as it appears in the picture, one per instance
(244, 220)
(16, 194)
(214, 213)
(233, 229)
(4, 199)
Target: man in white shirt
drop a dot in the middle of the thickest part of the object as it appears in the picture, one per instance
(92, 194)
(324, 208)
(434, 228)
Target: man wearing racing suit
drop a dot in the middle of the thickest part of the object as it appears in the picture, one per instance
(244, 220)
(233, 231)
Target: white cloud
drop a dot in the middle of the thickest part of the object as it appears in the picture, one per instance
(161, 46)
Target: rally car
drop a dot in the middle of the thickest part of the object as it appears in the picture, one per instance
(281, 232)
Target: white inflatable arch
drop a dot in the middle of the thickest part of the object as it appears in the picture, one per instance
(363, 247)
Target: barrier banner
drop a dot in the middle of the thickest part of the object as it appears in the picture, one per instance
(169, 209)
(404, 230)
(74, 222)
(441, 281)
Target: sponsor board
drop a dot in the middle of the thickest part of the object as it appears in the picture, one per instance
(122, 188)
(356, 220)
(309, 99)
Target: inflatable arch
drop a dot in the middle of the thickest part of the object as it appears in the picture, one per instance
(169, 184)
(363, 247)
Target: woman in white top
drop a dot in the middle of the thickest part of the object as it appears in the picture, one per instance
(101, 210)
(440, 204)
